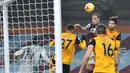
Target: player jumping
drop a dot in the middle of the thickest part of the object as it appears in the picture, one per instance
(32, 56)
(69, 42)
(90, 29)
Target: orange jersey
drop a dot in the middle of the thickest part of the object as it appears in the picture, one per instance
(103, 54)
(69, 42)
(115, 36)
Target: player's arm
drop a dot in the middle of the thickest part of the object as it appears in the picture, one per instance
(82, 29)
(116, 59)
(21, 51)
(116, 56)
(81, 44)
(87, 55)
(117, 49)
(52, 43)
(118, 42)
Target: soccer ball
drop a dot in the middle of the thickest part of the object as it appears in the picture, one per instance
(89, 7)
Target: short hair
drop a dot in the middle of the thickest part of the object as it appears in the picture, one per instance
(101, 29)
(114, 18)
(70, 27)
(97, 14)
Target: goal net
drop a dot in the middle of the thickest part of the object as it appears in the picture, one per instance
(1, 43)
(31, 28)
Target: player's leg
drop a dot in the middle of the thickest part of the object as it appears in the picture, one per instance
(66, 68)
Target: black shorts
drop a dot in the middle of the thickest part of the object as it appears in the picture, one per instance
(66, 68)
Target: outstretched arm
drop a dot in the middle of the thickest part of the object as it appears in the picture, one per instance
(82, 29)
(21, 51)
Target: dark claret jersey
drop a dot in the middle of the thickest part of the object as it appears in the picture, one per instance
(90, 35)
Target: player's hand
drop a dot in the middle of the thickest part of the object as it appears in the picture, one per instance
(116, 68)
(83, 37)
(17, 57)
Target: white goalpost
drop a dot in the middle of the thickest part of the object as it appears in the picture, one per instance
(6, 37)
(27, 27)
(58, 45)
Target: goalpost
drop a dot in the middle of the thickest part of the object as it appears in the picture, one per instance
(58, 37)
(21, 21)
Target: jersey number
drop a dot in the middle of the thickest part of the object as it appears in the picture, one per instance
(107, 51)
(66, 42)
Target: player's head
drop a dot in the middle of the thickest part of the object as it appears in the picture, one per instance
(36, 40)
(70, 28)
(112, 22)
(101, 29)
(95, 18)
